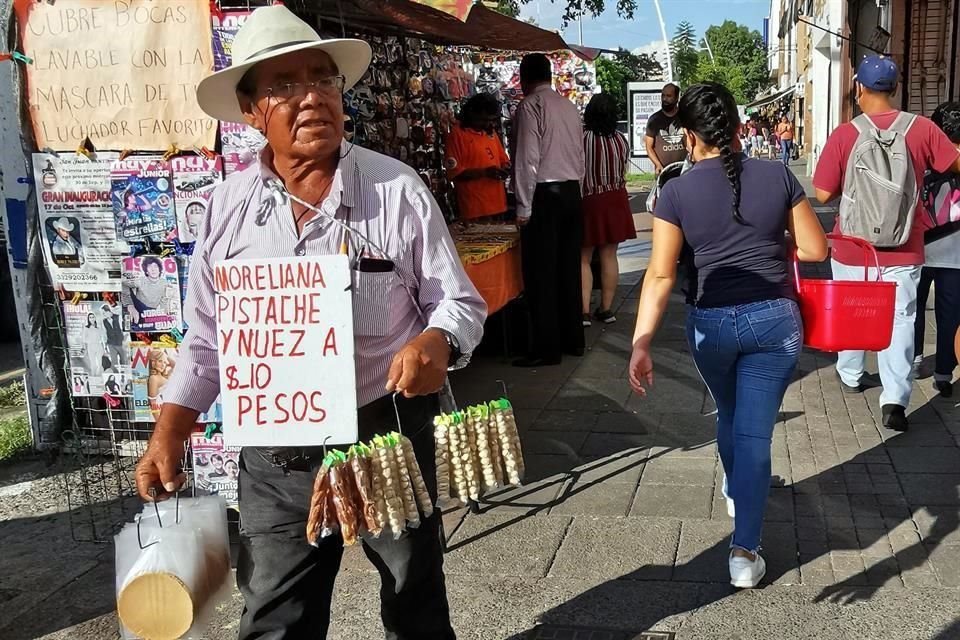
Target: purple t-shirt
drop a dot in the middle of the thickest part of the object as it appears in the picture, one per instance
(734, 263)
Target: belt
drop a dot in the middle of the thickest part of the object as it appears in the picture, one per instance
(378, 416)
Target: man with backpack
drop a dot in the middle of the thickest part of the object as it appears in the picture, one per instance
(877, 164)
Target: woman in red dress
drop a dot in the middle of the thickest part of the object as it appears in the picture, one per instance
(607, 220)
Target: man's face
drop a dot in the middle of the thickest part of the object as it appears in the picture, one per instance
(63, 233)
(153, 271)
(309, 122)
(217, 464)
(669, 98)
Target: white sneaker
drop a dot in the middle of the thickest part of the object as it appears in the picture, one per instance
(731, 511)
(746, 573)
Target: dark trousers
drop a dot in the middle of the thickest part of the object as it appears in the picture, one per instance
(287, 585)
(946, 304)
(550, 252)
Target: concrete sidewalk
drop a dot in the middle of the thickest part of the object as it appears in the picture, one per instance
(621, 525)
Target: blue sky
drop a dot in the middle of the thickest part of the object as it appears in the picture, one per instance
(610, 31)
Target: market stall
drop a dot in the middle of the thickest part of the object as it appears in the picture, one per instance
(123, 161)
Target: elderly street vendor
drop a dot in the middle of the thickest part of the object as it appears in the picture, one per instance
(415, 314)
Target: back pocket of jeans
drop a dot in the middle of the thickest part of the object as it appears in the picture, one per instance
(777, 327)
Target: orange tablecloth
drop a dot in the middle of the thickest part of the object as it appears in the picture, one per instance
(498, 279)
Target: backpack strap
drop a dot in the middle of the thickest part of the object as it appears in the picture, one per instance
(863, 123)
(903, 123)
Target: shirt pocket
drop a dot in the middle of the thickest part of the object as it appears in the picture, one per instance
(372, 293)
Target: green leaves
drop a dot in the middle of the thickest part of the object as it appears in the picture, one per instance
(613, 75)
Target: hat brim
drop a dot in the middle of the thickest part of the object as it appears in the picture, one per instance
(217, 93)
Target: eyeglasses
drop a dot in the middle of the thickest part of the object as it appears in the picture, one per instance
(332, 85)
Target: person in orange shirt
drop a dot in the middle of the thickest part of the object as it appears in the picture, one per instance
(476, 161)
(785, 135)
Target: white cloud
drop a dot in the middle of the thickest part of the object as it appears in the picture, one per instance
(656, 48)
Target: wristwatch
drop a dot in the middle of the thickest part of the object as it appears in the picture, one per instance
(455, 354)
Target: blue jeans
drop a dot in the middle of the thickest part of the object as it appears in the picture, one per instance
(947, 308)
(896, 361)
(786, 148)
(746, 355)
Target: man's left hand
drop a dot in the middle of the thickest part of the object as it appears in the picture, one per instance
(420, 367)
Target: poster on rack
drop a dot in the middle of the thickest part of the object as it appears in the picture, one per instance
(194, 178)
(142, 194)
(76, 215)
(216, 466)
(98, 349)
(240, 144)
(122, 73)
(152, 366)
(151, 294)
(274, 318)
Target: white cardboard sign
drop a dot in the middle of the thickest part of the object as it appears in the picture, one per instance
(285, 339)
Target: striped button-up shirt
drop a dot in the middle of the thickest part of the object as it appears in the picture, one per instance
(547, 144)
(376, 196)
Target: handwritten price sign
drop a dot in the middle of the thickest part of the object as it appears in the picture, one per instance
(285, 337)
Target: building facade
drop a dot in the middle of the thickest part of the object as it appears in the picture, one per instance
(819, 43)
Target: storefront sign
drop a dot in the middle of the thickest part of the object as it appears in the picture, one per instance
(285, 337)
(123, 73)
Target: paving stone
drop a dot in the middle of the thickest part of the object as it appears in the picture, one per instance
(946, 563)
(618, 468)
(531, 498)
(624, 422)
(930, 489)
(680, 471)
(566, 443)
(605, 444)
(504, 545)
(816, 570)
(595, 499)
(849, 569)
(780, 554)
(630, 548)
(540, 466)
(549, 420)
(874, 543)
(702, 554)
(925, 460)
(780, 506)
(592, 394)
(882, 572)
(672, 501)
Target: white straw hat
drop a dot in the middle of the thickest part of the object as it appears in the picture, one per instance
(270, 32)
(63, 224)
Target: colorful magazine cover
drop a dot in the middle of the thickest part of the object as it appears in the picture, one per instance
(151, 294)
(194, 178)
(76, 217)
(183, 268)
(216, 467)
(142, 194)
(240, 144)
(98, 349)
(153, 365)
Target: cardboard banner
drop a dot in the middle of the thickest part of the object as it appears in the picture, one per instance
(285, 339)
(124, 73)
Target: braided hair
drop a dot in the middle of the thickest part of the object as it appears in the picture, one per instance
(710, 111)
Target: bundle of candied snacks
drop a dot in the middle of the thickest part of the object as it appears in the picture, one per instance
(371, 488)
(477, 450)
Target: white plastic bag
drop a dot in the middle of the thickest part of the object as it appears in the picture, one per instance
(173, 565)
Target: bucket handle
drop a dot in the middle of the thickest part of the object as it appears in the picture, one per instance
(868, 250)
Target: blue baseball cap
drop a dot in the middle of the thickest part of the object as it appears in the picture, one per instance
(879, 73)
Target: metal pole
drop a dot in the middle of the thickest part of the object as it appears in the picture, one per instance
(666, 42)
(709, 50)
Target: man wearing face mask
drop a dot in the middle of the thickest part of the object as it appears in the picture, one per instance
(288, 83)
(930, 149)
(664, 138)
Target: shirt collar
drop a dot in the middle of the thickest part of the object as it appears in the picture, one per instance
(344, 180)
(546, 86)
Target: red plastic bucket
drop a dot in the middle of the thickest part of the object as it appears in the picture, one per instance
(841, 315)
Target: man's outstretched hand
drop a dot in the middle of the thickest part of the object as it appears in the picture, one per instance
(420, 367)
(159, 473)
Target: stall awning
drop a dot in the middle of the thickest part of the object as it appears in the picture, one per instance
(761, 102)
(483, 28)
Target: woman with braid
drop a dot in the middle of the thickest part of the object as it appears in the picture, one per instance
(743, 327)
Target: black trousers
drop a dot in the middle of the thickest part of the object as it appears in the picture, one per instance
(287, 585)
(550, 252)
(946, 305)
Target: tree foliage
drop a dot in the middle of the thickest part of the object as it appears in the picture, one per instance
(684, 53)
(614, 74)
(740, 60)
(508, 8)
